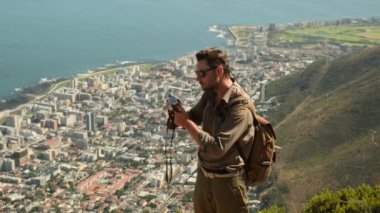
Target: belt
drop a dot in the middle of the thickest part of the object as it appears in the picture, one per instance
(212, 175)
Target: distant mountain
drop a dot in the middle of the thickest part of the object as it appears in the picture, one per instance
(328, 123)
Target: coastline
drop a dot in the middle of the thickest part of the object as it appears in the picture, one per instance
(29, 94)
(26, 95)
(20, 97)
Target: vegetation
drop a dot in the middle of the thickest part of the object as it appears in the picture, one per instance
(274, 209)
(65, 83)
(328, 123)
(352, 34)
(275, 196)
(297, 85)
(146, 67)
(241, 34)
(363, 199)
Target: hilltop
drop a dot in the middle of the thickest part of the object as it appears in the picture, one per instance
(328, 123)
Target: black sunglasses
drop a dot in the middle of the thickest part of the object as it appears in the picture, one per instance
(202, 73)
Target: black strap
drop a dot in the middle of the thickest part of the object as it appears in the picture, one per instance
(169, 157)
(168, 161)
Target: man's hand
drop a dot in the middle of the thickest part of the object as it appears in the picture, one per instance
(180, 117)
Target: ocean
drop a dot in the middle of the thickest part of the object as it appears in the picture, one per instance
(56, 38)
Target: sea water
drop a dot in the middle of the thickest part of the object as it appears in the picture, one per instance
(61, 38)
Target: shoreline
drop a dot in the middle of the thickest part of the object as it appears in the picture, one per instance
(22, 96)
(29, 94)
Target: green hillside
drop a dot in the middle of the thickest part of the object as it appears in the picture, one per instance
(356, 35)
(329, 126)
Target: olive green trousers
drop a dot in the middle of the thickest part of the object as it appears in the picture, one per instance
(220, 195)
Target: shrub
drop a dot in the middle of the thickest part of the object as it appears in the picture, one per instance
(363, 199)
(274, 209)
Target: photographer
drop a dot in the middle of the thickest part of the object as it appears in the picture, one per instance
(220, 186)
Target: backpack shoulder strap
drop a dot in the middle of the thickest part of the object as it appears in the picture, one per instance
(245, 101)
(258, 120)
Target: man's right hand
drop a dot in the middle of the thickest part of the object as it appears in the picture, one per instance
(181, 117)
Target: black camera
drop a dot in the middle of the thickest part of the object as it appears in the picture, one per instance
(173, 103)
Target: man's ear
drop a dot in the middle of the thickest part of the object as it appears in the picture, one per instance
(220, 70)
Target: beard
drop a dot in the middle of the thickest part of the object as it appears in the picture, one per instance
(212, 87)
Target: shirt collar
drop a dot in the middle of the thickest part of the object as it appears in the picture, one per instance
(230, 91)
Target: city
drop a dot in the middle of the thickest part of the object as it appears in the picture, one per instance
(98, 142)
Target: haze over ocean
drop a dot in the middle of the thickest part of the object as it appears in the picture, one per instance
(51, 38)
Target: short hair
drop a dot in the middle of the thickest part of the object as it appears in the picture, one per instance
(214, 57)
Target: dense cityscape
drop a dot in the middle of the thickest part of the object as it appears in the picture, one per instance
(98, 142)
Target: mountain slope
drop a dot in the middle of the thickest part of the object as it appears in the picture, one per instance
(329, 126)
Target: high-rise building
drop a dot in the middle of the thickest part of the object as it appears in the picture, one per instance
(66, 94)
(20, 157)
(82, 135)
(13, 121)
(101, 120)
(8, 164)
(93, 82)
(74, 83)
(49, 123)
(81, 144)
(90, 121)
(69, 120)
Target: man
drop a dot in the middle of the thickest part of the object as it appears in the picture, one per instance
(226, 124)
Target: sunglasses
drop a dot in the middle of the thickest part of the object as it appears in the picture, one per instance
(203, 73)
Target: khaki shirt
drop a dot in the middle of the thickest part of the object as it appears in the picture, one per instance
(223, 126)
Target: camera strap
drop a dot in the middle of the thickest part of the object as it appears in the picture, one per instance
(168, 149)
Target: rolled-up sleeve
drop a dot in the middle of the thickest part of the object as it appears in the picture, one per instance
(232, 128)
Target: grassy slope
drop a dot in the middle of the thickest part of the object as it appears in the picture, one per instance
(330, 140)
(356, 35)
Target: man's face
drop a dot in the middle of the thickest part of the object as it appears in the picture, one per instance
(206, 76)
